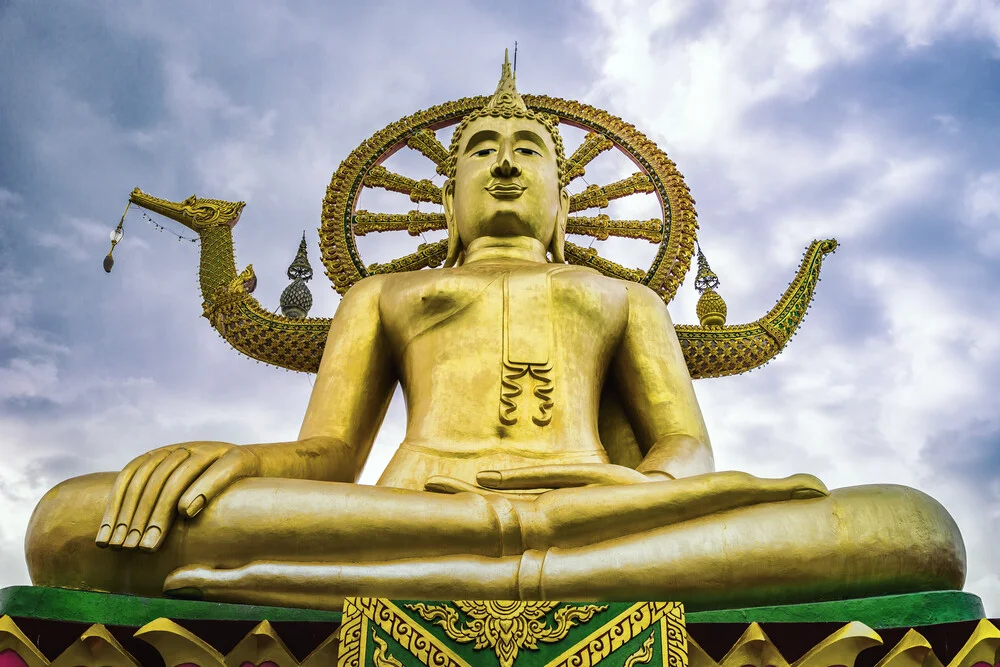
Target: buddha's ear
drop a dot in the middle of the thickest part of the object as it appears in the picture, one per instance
(558, 247)
(454, 242)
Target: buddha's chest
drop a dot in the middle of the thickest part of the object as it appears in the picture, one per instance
(528, 314)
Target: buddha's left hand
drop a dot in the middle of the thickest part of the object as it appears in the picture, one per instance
(547, 477)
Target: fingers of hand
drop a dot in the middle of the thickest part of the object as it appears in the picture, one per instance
(235, 464)
(150, 493)
(132, 494)
(442, 484)
(559, 476)
(115, 500)
(164, 511)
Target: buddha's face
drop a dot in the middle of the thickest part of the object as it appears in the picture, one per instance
(506, 182)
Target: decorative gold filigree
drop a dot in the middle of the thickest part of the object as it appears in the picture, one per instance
(423, 190)
(588, 257)
(593, 145)
(427, 254)
(425, 141)
(506, 626)
(340, 254)
(381, 657)
(195, 213)
(625, 627)
(352, 633)
(415, 639)
(297, 344)
(718, 351)
(644, 653)
(602, 226)
(595, 196)
(414, 223)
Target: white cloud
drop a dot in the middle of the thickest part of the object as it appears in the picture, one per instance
(982, 204)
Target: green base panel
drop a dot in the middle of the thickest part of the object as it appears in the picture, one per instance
(886, 611)
(889, 611)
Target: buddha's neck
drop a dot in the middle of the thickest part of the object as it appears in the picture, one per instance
(503, 248)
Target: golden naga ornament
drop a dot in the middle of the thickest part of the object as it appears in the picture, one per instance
(710, 350)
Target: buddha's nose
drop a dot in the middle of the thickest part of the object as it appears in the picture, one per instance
(505, 165)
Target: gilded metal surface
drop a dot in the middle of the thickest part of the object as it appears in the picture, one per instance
(419, 191)
(295, 344)
(598, 197)
(601, 227)
(426, 142)
(414, 223)
(427, 255)
(716, 351)
(593, 145)
(552, 431)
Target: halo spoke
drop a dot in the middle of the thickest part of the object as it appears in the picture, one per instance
(597, 197)
(593, 145)
(425, 141)
(588, 257)
(414, 223)
(675, 232)
(427, 254)
(423, 190)
(602, 226)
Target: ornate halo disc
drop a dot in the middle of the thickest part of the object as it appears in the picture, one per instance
(675, 231)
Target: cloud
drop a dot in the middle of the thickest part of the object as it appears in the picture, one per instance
(982, 203)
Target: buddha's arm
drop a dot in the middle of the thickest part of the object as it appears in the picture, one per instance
(349, 400)
(657, 393)
(353, 386)
(350, 396)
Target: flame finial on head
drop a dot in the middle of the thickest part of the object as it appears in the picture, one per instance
(507, 103)
(506, 96)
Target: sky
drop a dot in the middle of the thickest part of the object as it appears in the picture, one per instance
(876, 122)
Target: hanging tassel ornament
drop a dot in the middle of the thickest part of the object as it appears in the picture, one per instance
(116, 236)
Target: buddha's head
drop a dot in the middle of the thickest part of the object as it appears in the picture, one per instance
(506, 174)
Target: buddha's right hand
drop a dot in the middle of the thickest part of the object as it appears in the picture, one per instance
(150, 491)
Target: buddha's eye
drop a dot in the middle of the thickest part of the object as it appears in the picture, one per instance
(527, 151)
(484, 152)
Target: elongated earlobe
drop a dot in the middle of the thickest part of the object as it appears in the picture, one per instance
(558, 247)
(454, 242)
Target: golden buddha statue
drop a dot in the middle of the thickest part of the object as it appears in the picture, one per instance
(507, 484)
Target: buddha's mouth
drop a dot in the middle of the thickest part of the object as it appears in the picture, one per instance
(506, 190)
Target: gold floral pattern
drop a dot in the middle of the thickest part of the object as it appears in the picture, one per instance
(506, 626)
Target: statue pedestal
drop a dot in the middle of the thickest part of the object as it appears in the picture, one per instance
(42, 626)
